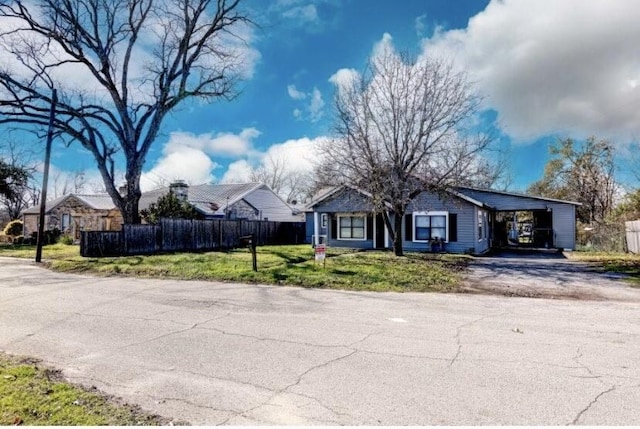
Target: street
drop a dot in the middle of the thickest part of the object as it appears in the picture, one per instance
(213, 353)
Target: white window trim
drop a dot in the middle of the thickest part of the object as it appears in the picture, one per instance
(430, 213)
(323, 220)
(364, 216)
(483, 220)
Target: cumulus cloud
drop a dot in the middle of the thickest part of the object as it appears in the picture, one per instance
(553, 67)
(188, 156)
(295, 94)
(313, 110)
(298, 155)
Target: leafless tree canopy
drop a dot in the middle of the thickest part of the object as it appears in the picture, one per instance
(399, 131)
(132, 62)
(291, 185)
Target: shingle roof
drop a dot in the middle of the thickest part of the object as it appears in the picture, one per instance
(208, 199)
(94, 201)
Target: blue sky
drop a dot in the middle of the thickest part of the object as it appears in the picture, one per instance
(548, 69)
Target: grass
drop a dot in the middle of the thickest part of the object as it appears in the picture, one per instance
(31, 394)
(286, 265)
(625, 263)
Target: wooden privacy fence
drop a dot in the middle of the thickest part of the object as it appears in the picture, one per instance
(632, 232)
(183, 235)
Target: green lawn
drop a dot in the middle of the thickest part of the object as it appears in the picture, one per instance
(626, 263)
(33, 395)
(289, 265)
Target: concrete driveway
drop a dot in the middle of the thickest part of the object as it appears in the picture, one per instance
(213, 353)
(546, 275)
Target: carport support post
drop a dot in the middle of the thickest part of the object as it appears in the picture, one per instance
(316, 228)
(45, 177)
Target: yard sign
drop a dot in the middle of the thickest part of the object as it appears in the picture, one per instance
(321, 252)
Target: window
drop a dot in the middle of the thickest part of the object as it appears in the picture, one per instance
(482, 225)
(66, 221)
(430, 226)
(351, 227)
(323, 220)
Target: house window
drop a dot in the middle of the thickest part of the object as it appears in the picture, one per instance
(482, 225)
(430, 225)
(66, 221)
(323, 220)
(351, 227)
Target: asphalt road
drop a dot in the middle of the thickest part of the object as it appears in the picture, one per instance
(214, 353)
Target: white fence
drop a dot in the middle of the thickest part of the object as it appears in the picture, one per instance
(632, 230)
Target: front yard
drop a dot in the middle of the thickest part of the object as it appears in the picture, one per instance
(287, 265)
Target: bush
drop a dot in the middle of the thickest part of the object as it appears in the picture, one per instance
(19, 240)
(14, 228)
(66, 239)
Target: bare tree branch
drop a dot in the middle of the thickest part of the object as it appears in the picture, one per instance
(135, 60)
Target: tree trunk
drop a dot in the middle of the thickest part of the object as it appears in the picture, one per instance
(397, 236)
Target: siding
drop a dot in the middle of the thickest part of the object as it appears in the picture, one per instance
(563, 214)
(467, 222)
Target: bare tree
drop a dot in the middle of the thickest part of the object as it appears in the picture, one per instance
(399, 133)
(134, 62)
(291, 184)
(68, 182)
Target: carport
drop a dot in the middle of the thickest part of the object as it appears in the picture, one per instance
(551, 222)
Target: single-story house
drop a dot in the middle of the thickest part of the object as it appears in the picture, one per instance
(73, 213)
(250, 201)
(462, 220)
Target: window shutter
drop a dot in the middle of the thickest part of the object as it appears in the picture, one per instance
(408, 227)
(453, 227)
(369, 227)
(334, 227)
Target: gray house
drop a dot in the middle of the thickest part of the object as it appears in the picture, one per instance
(463, 220)
(250, 201)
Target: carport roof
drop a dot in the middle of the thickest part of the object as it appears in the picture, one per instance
(517, 195)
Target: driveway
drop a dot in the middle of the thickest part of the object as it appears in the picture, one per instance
(546, 275)
(214, 353)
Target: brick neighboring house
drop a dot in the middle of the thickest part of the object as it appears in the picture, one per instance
(73, 213)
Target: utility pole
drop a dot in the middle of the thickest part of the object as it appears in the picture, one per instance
(45, 177)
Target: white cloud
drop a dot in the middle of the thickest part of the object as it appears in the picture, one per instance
(302, 14)
(553, 67)
(420, 25)
(344, 77)
(316, 106)
(313, 109)
(295, 94)
(237, 172)
(298, 155)
(189, 157)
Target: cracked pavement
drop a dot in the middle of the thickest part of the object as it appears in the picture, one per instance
(219, 353)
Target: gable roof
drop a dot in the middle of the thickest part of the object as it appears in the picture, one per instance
(94, 201)
(327, 193)
(213, 200)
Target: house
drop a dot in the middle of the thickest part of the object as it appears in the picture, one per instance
(73, 213)
(462, 220)
(251, 201)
